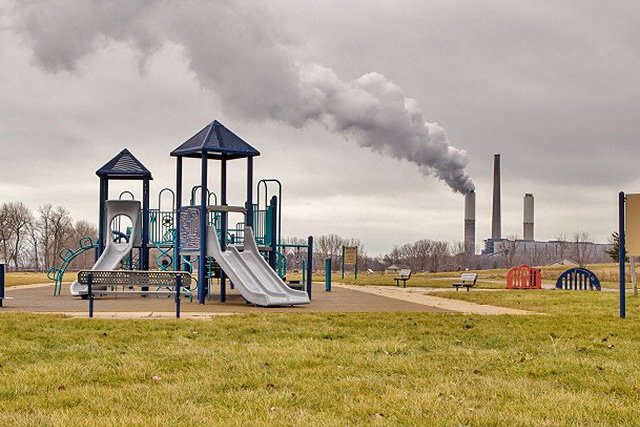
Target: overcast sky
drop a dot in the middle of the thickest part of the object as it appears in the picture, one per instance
(552, 86)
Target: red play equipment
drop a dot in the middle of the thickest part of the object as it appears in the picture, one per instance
(524, 277)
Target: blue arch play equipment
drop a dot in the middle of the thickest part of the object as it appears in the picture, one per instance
(578, 279)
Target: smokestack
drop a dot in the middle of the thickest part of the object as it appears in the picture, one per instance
(496, 220)
(527, 232)
(470, 223)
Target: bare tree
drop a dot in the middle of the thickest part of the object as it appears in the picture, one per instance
(35, 243)
(42, 227)
(6, 233)
(535, 255)
(439, 252)
(54, 226)
(19, 219)
(508, 248)
(330, 245)
(583, 250)
(79, 231)
(562, 247)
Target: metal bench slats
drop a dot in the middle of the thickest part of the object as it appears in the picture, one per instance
(99, 281)
(403, 276)
(468, 280)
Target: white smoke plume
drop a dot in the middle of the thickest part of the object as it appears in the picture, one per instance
(236, 50)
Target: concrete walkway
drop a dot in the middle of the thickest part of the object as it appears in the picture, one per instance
(419, 296)
(39, 298)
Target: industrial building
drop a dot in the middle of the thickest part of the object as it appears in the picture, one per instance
(526, 250)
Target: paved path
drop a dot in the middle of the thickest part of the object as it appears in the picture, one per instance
(39, 298)
(419, 296)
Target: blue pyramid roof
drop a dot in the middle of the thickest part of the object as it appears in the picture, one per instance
(124, 166)
(218, 142)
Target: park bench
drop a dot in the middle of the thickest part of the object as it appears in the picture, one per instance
(124, 282)
(467, 280)
(403, 276)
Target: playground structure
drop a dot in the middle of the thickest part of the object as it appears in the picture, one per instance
(578, 279)
(524, 277)
(242, 251)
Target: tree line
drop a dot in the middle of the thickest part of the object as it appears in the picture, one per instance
(422, 255)
(32, 240)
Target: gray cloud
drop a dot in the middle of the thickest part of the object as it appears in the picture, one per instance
(550, 85)
(238, 52)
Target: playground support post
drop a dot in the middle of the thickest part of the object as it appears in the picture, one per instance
(202, 259)
(178, 280)
(342, 275)
(249, 204)
(144, 249)
(622, 253)
(104, 195)
(327, 274)
(273, 204)
(177, 257)
(1, 283)
(355, 268)
(309, 264)
(144, 261)
(90, 292)
(223, 224)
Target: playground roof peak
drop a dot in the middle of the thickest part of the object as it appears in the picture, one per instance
(218, 142)
(124, 166)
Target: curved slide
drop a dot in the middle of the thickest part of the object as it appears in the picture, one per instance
(114, 252)
(251, 274)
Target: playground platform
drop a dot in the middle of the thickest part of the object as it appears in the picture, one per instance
(38, 298)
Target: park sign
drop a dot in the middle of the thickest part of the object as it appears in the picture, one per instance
(350, 255)
(632, 229)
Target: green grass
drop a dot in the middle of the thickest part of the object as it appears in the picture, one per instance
(488, 279)
(576, 366)
(25, 278)
(426, 280)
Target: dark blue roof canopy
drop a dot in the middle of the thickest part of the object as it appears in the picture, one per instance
(124, 166)
(218, 142)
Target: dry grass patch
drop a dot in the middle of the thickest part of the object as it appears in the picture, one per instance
(25, 278)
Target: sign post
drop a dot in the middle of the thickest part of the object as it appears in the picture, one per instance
(350, 258)
(628, 239)
(1, 283)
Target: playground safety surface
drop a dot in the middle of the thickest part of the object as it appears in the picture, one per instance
(39, 298)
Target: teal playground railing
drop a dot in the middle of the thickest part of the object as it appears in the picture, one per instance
(66, 255)
(162, 234)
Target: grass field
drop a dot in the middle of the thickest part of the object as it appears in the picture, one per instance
(576, 366)
(490, 279)
(25, 278)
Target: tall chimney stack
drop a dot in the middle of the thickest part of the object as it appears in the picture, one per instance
(527, 232)
(470, 223)
(496, 221)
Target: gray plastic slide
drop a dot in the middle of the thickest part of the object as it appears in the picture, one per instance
(251, 274)
(114, 252)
